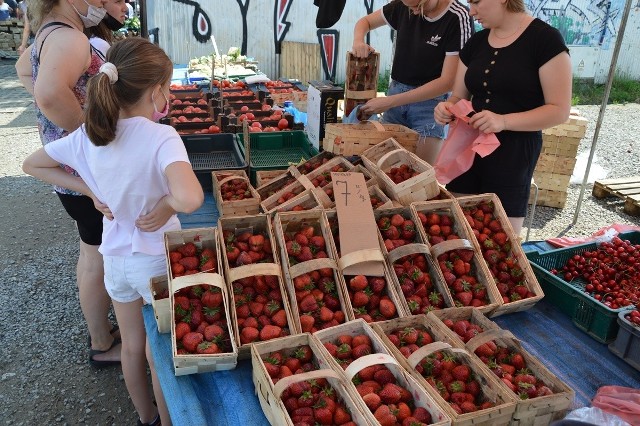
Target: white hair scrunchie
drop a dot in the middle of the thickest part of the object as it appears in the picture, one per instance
(110, 70)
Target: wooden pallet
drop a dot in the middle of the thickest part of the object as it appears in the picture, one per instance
(625, 188)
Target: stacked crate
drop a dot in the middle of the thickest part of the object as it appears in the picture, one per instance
(557, 160)
(10, 37)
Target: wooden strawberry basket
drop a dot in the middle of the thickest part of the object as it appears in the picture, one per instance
(264, 385)
(381, 158)
(314, 162)
(338, 163)
(448, 207)
(534, 411)
(478, 270)
(288, 223)
(202, 238)
(328, 202)
(258, 225)
(160, 286)
(505, 402)
(474, 316)
(289, 192)
(529, 278)
(354, 139)
(247, 206)
(199, 363)
(307, 200)
(264, 177)
(381, 355)
(277, 183)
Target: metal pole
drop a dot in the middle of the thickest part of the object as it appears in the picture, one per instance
(603, 105)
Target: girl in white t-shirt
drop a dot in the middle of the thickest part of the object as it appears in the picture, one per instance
(140, 170)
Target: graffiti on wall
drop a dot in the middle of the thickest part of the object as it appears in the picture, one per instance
(280, 24)
(200, 23)
(581, 22)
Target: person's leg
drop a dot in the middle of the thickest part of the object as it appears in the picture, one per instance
(134, 362)
(428, 148)
(157, 390)
(516, 224)
(95, 302)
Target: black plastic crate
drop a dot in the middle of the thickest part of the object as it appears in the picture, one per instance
(627, 343)
(209, 152)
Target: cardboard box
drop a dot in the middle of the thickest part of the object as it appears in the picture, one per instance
(322, 108)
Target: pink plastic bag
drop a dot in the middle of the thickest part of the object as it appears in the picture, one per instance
(620, 401)
(601, 235)
(461, 145)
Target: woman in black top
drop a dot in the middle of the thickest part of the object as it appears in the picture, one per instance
(517, 73)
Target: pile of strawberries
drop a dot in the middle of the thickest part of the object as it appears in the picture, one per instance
(461, 279)
(497, 251)
(416, 285)
(402, 173)
(511, 367)
(187, 259)
(284, 197)
(375, 201)
(370, 299)
(309, 166)
(438, 227)
(284, 363)
(450, 377)
(324, 178)
(389, 402)
(508, 365)
(258, 300)
(315, 402)
(316, 292)
(200, 321)
(235, 189)
(397, 230)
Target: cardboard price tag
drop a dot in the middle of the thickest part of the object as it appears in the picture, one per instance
(356, 223)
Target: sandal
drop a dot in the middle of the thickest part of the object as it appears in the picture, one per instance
(113, 330)
(154, 422)
(106, 363)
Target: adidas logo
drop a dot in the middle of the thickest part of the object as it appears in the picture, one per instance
(434, 40)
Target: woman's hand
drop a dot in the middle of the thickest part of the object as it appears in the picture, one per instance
(361, 49)
(157, 217)
(376, 106)
(441, 113)
(488, 122)
(101, 207)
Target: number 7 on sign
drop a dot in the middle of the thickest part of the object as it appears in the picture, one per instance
(346, 192)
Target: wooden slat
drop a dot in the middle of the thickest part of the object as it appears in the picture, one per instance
(626, 188)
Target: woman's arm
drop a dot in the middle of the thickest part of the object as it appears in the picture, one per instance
(186, 194)
(430, 90)
(23, 69)
(25, 36)
(365, 24)
(555, 79)
(64, 58)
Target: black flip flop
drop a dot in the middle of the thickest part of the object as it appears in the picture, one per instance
(113, 330)
(100, 364)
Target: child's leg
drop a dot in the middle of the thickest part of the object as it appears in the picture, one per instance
(157, 390)
(134, 362)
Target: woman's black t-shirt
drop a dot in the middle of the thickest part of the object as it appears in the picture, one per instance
(422, 44)
(506, 80)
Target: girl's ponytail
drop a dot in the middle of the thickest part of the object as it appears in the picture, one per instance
(102, 107)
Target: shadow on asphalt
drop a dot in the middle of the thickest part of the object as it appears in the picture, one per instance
(27, 118)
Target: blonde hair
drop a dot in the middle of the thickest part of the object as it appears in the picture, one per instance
(38, 10)
(141, 65)
(516, 6)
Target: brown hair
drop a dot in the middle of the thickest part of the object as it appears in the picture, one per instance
(516, 6)
(38, 10)
(102, 31)
(141, 65)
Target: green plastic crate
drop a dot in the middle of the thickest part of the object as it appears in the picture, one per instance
(591, 316)
(276, 150)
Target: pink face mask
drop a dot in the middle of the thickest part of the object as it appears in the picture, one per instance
(157, 115)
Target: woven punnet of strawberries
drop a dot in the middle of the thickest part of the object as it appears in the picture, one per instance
(200, 321)
(316, 292)
(497, 250)
(290, 361)
(188, 259)
(324, 178)
(234, 189)
(260, 311)
(384, 395)
(508, 363)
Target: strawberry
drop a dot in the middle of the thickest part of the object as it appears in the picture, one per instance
(518, 361)
(468, 407)
(390, 393)
(360, 298)
(331, 348)
(269, 332)
(422, 415)
(464, 297)
(344, 351)
(461, 372)
(181, 329)
(360, 339)
(189, 263)
(323, 416)
(207, 348)
(307, 322)
(318, 242)
(384, 416)
(213, 333)
(304, 354)
(397, 220)
(191, 340)
(249, 335)
(387, 308)
(372, 401)
(293, 248)
(341, 416)
(487, 349)
(188, 249)
(308, 304)
(384, 376)
(279, 318)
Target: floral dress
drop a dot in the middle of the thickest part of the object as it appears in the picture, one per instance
(49, 132)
